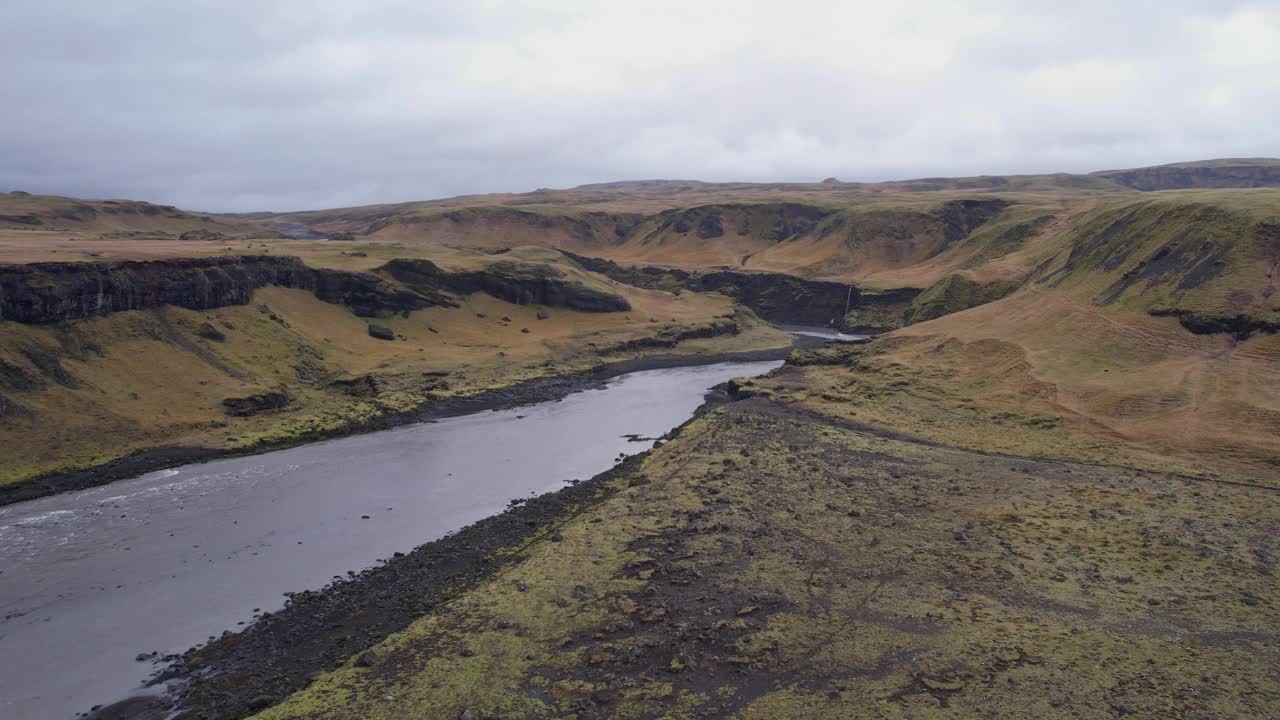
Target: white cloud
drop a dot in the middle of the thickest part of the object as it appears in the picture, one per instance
(285, 103)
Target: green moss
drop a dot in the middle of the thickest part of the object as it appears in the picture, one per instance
(954, 293)
(808, 570)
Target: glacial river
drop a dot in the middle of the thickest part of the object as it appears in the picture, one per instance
(88, 580)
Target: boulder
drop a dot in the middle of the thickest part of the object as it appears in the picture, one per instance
(255, 404)
(359, 386)
(209, 332)
(381, 332)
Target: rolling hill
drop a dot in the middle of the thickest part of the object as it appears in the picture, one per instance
(1045, 489)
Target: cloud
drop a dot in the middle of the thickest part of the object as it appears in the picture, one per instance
(284, 104)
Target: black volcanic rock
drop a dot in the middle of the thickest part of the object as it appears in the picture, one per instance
(209, 332)
(961, 217)
(41, 293)
(53, 292)
(519, 283)
(773, 296)
(371, 296)
(254, 404)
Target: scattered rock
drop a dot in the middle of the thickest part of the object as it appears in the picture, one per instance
(209, 332)
(943, 685)
(257, 403)
(358, 386)
(141, 707)
(201, 234)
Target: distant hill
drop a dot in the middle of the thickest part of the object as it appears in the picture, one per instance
(1224, 173)
(829, 229)
(24, 211)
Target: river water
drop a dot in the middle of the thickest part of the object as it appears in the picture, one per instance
(89, 580)
(821, 332)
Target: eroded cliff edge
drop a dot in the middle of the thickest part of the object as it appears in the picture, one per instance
(43, 293)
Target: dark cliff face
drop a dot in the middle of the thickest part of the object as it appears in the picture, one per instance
(773, 296)
(52, 292)
(1239, 326)
(516, 283)
(43, 293)
(961, 217)
(772, 221)
(778, 297)
(370, 296)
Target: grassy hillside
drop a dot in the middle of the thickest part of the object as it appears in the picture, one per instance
(1144, 337)
(1056, 504)
(636, 213)
(1049, 495)
(907, 237)
(72, 394)
(22, 211)
(1211, 254)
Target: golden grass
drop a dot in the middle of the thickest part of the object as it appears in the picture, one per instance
(156, 382)
(1044, 375)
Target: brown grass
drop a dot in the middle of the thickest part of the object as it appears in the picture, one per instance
(115, 407)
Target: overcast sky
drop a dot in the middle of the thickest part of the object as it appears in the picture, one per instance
(294, 104)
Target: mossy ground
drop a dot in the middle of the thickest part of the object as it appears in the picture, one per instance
(952, 294)
(769, 564)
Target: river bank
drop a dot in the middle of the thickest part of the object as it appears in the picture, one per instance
(281, 652)
(152, 565)
(527, 392)
(770, 563)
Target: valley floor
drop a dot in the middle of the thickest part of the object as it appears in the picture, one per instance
(1052, 493)
(774, 562)
(79, 413)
